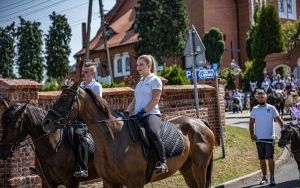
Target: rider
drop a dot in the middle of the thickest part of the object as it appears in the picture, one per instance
(144, 106)
(81, 145)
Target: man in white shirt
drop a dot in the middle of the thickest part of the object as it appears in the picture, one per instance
(261, 127)
(80, 129)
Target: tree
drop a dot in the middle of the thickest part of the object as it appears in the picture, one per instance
(7, 50)
(57, 47)
(267, 39)
(147, 21)
(214, 44)
(173, 28)
(290, 33)
(162, 28)
(30, 61)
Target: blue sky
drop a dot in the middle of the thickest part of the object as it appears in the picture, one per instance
(38, 10)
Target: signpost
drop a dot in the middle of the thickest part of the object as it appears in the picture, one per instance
(195, 48)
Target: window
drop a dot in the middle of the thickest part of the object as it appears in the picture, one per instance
(119, 64)
(122, 65)
(287, 9)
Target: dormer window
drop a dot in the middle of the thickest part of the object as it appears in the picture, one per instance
(109, 32)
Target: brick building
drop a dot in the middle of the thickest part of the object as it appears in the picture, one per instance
(232, 17)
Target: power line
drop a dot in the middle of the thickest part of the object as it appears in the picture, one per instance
(28, 8)
(35, 11)
(6, 7)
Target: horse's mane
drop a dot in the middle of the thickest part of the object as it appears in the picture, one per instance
(36, 114)
(99, 101)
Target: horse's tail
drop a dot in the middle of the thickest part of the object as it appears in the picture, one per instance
(209, 171)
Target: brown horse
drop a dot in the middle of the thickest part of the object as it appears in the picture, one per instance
(55, 168)
(119, 160)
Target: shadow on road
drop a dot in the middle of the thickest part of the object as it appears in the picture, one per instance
(287, 184)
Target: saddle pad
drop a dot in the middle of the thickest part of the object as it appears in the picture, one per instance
(171, 138)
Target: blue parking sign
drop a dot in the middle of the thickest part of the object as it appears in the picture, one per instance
(189, 74)
(215, 66)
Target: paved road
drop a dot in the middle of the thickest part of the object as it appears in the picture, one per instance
(286, 175)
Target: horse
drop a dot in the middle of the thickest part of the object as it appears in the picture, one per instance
(118, 159)
(277, 99)
(253, 100)
(55, 168)
(290, 134)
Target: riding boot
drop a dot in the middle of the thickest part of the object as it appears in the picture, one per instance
(162, 165)
(82, 169)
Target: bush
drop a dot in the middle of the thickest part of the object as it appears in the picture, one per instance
(229, 75)
(51, 85)
(175, 75)
(113, 85)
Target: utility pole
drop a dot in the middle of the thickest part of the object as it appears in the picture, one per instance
(87, 39)
(103, 25)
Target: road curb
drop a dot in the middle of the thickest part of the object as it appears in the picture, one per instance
(284, 157)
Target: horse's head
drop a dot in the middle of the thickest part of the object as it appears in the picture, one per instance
(13, 132)
(63, 111)
(286, 135)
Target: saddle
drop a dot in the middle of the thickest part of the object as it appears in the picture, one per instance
(169, 134)
(68, 134)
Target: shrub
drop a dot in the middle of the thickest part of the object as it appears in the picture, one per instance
(51, 85)
(229, 75)
(113, 85)
(175, 75)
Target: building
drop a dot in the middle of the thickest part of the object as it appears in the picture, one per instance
(232, 17)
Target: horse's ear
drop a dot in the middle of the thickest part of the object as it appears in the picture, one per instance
(22, 109)
(6, 106)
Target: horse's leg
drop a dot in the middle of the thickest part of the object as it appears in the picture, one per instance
(187, 173)
(201, 159)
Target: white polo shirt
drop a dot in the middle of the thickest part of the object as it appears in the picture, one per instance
(94, 86)
(143, 93)
(264, 121)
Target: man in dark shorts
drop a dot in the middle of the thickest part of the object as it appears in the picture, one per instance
(261, 128)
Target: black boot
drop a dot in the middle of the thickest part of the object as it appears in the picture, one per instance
(82, 164)
(162, 165)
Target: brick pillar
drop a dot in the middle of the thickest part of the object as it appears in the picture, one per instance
(14, 172)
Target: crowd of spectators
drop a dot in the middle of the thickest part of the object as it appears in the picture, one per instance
(285, 83)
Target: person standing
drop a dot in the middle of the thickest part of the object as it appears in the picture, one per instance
(80, 129)
(144, 106)
(261, 127)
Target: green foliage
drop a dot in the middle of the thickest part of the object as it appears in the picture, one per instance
(229, 75)
(214, 44)
(289, 33)
(267, 39)
(7, 39)
(162, 28)
(30, 61)
(247, 75)
(51, 85)
(114, 85)
(57, 47)
(175, 75)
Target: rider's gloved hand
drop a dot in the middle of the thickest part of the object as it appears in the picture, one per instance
(140, 114)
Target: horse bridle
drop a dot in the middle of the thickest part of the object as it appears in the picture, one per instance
(63, 117)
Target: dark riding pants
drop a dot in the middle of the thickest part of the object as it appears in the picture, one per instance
(81, 147)
(152, 125)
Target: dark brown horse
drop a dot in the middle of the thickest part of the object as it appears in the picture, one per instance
(57, 168)
(119, 160)
(290, 134)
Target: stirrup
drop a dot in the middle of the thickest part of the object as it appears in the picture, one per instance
(81, 174)
(162, 168)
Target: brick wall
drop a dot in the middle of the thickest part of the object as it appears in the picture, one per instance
(14, 172)
(175, 101)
